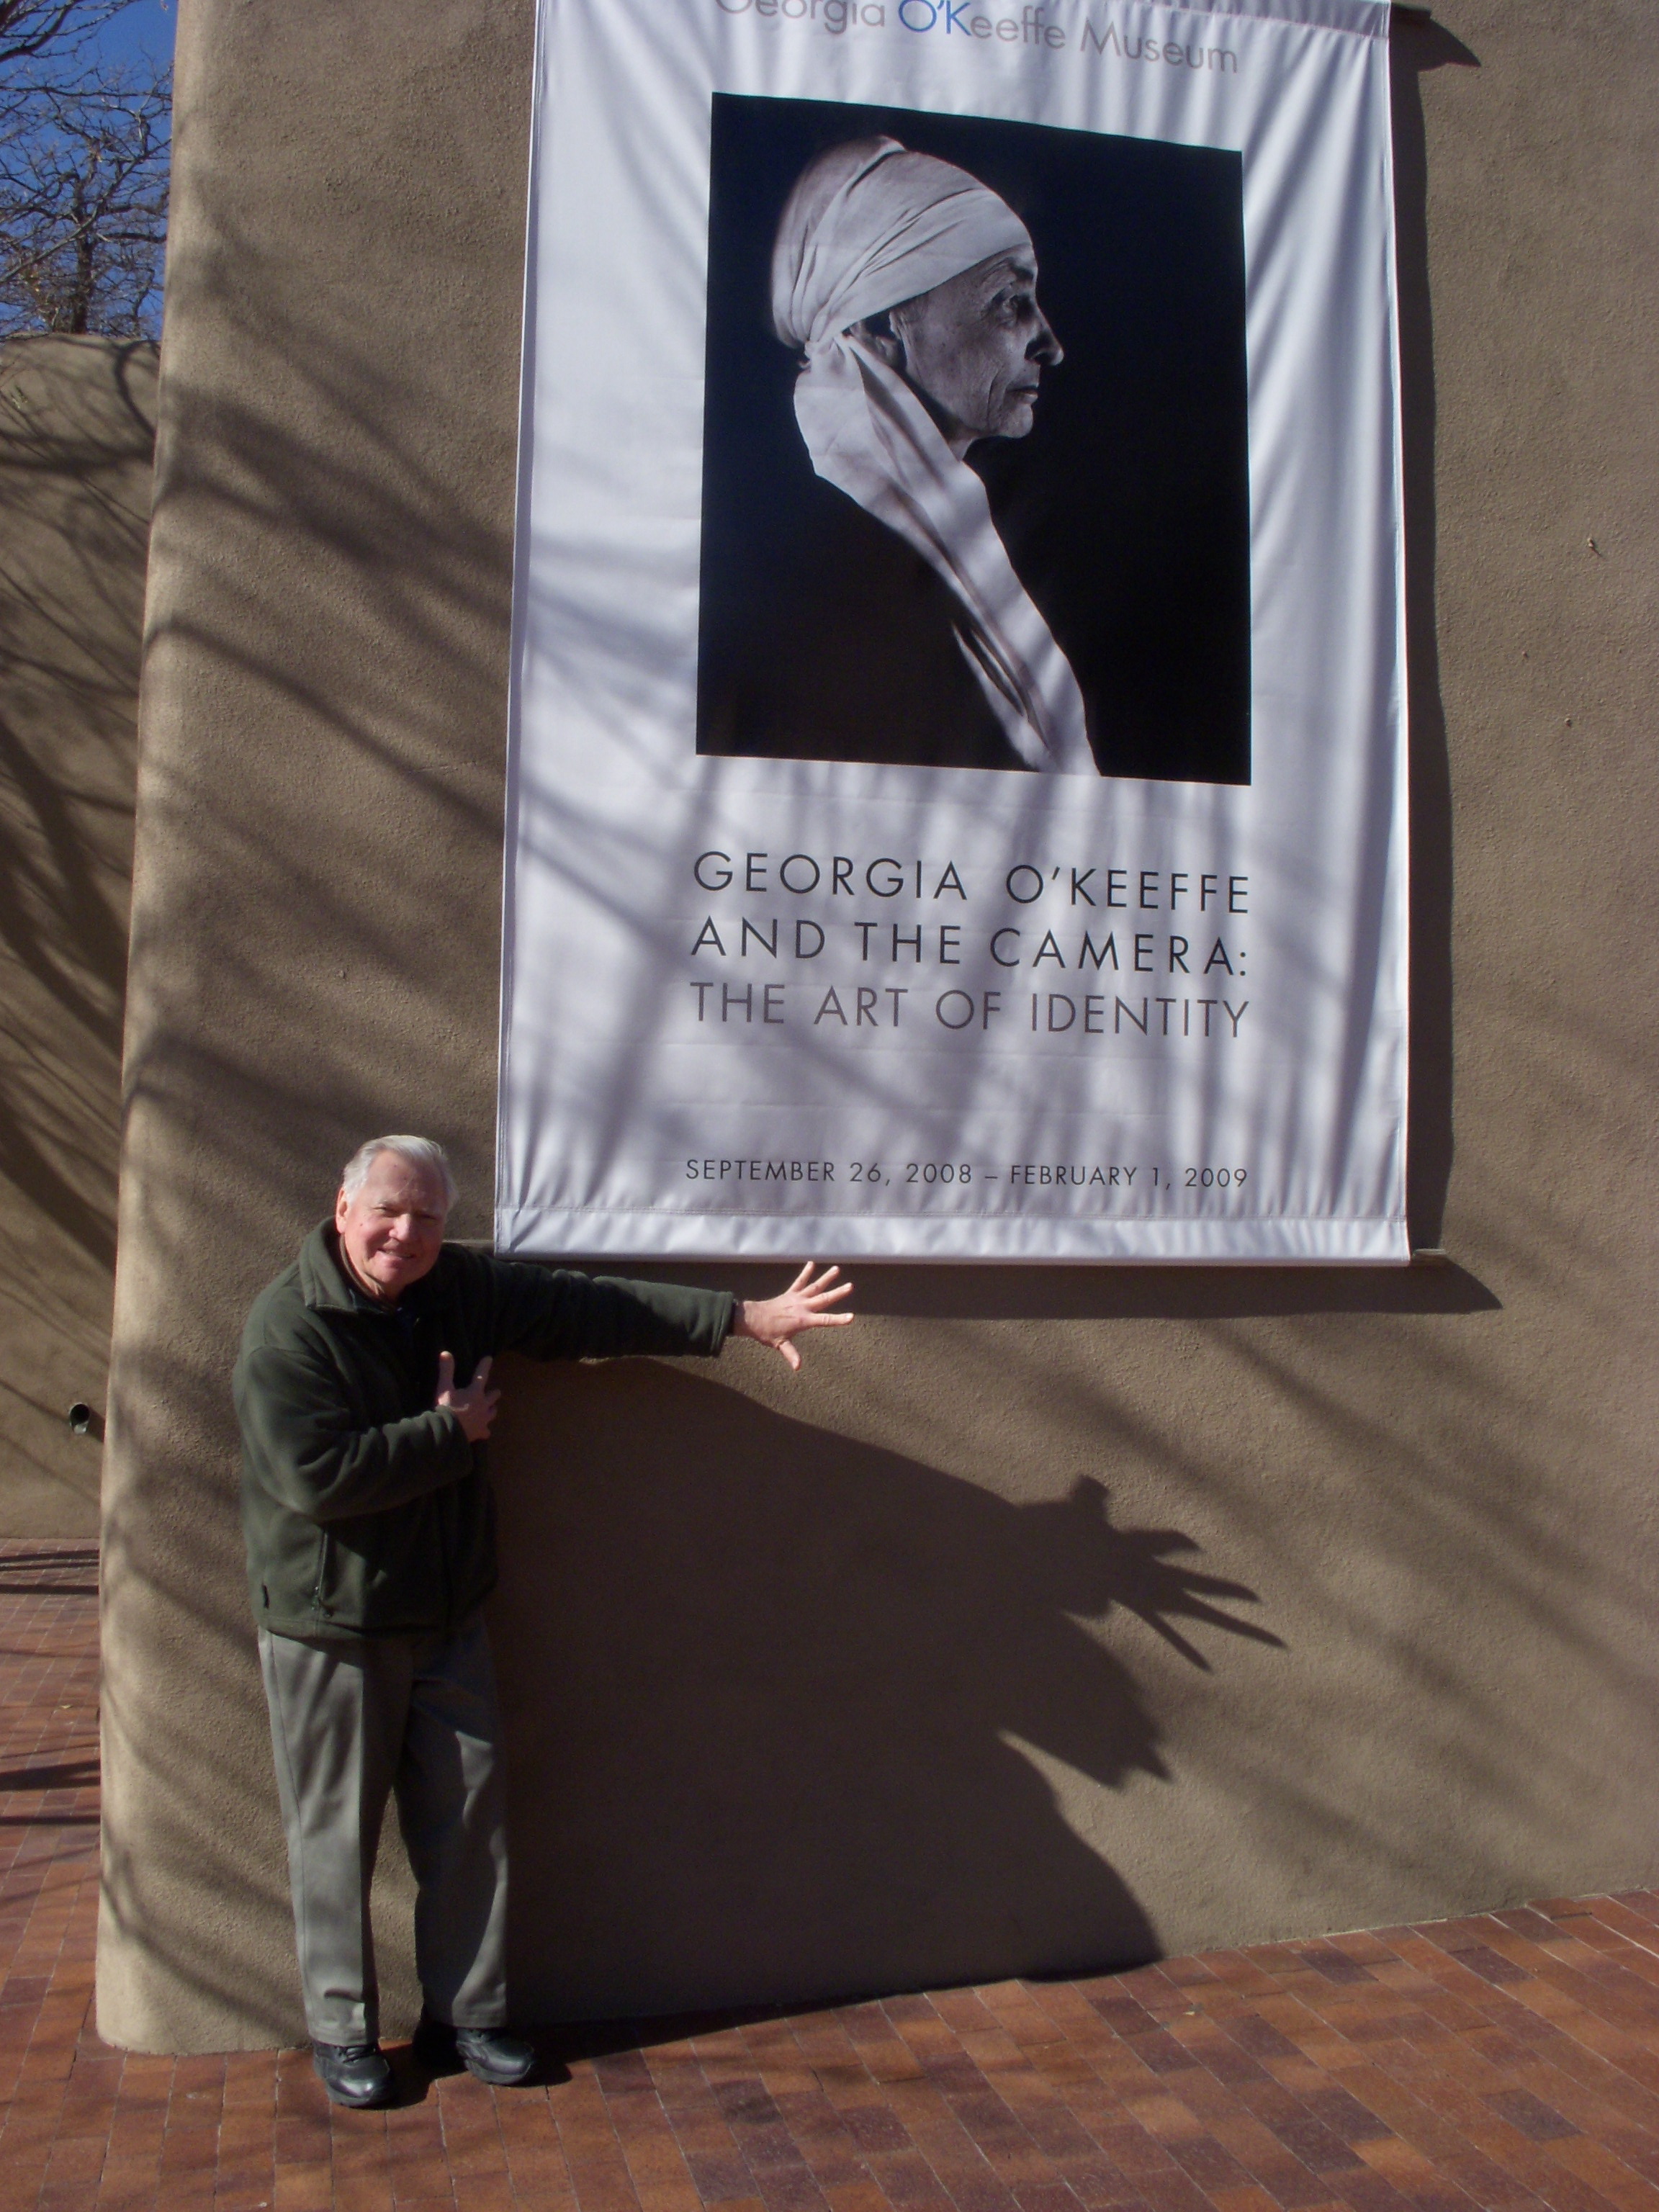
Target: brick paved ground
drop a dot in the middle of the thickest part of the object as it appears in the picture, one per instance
(1507, 2062)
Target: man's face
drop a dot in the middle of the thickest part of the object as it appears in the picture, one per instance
(976, 347)
(390, 1232)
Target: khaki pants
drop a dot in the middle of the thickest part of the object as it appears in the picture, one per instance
(351, 1719)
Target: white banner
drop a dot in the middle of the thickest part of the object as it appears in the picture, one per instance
(956, 771)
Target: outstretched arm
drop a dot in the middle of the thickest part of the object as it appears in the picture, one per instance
(805, 1304)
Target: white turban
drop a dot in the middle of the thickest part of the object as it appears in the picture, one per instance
(868, 226)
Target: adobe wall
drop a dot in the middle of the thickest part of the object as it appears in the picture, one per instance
(77, 430)
(1052, 1617)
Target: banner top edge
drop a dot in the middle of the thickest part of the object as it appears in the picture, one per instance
(1367, 19)
(1360, 18)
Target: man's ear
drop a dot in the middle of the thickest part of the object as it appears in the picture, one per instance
(877, 333)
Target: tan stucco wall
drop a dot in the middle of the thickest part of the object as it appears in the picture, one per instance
(78, 426)
(909, 1670)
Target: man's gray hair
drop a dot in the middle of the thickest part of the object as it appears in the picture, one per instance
(419, 1151)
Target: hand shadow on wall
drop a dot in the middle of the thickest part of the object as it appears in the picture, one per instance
(760, 1682)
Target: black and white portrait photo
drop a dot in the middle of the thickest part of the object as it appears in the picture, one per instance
(976, 482)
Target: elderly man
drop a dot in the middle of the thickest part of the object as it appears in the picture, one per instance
(907, 290)
(364, 1396)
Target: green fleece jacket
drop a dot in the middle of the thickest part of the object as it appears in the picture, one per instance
(366, 1509)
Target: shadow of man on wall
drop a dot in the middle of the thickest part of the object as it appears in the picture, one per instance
(766, 1688)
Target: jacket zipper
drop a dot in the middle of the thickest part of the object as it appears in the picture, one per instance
(443, 1560)
(439, 1495)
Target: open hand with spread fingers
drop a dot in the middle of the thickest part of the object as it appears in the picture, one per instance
(805, 1304)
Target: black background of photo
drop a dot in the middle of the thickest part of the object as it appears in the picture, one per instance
(1126, 511)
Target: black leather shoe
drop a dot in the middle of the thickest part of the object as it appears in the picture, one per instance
(353, 2073)
(490, 2054)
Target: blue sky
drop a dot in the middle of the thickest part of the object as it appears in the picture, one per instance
(145, 28)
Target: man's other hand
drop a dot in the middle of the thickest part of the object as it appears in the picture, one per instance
(476, 1405)
(805, 1304)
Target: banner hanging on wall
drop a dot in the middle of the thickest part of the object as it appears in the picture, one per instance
(957, 770)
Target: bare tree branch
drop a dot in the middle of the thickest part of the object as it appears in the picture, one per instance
(83, 175)
(33, 29)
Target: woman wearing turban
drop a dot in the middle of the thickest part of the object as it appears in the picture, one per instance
(909, 290)
(885, 621)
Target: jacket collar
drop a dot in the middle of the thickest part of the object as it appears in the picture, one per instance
(325, 1285)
